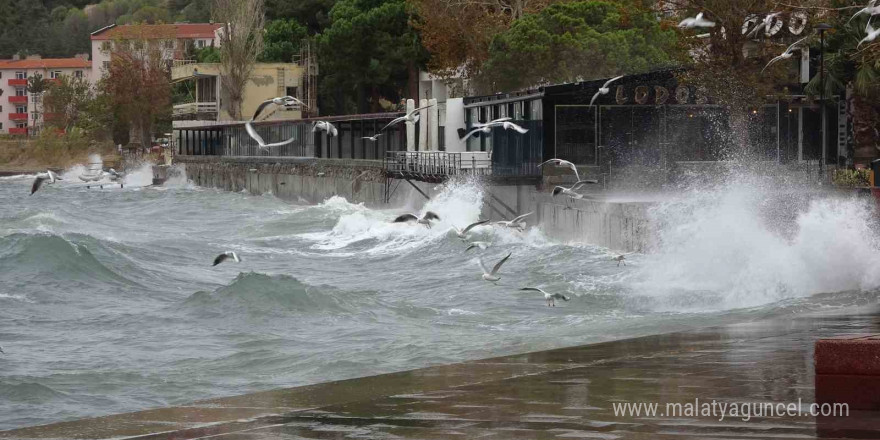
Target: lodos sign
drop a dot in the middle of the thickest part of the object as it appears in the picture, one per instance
(659, 95)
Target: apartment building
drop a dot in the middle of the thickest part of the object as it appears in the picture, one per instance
(20, 111)
(175, 40)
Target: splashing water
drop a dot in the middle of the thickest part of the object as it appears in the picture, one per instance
(117, 288)
(729, 247)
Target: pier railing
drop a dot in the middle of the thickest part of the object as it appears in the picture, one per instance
(436, 164)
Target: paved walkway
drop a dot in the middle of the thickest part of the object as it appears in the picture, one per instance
(559, 394)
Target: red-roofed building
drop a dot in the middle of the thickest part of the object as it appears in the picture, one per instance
(176, 39)
(21, 112)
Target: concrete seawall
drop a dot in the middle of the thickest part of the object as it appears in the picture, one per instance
(621, 226)
(306, 180)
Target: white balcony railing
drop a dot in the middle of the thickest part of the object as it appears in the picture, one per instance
(178, 63)
(194, 108)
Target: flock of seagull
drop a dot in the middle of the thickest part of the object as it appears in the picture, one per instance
(871, 9)
(411, 117)
(492, 275)
(50, 177)
(518, 223)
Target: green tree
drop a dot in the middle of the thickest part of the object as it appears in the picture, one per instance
(568, 42)
(281, 40)
(369, 49)
(314, 14)
(65, 101)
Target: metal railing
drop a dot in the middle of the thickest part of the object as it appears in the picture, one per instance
(192, 108)
(178, 63)
(436, 163)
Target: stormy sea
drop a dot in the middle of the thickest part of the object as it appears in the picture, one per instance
(109, 301)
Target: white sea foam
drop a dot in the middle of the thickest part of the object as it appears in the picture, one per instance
(724, 248)
(142, 175)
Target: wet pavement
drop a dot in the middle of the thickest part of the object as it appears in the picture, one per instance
(567, 393)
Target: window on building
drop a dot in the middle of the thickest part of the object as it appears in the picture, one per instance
(200, 44)
(20, 75)
(106, 64)
(169, 44)
(293, 91)
(20, 91)
(78, 73)
(55, 74)
(21, 125)
(105, 46)
(20, 109)
(36, 98)
(1, 126)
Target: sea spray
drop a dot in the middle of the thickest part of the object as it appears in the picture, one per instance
(726, 247)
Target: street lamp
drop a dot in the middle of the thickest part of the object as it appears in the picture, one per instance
(822, 27)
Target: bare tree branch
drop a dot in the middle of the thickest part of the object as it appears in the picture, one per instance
(241, 41)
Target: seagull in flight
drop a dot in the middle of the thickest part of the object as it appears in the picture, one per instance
(516, 223)
(225, 256)
(550, 297)
(483, 245)
(411, 117)
(494, 121)
(765, 24)
(281, 101)
(785, 55)
(38, 181)
(698, 21)
(493, 274)
(571, 191)
(424, 220)
(372, 138)
(604, 89)
(871, 9)
(462, 233)
(261, 143)
(872, 34)
(487, 127)
(325, 126)
(562, 163)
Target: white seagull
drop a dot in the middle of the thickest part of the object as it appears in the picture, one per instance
(871, 9)
(604, 89)
(698, 21)
(550, 297)
(225, 256)
(571, 190)
(373, 138)
(281, 101)
(462, 233)
(325, 126)
(411, 117)
(483, 245)
(516, 223)
(487, 127)
(765, 24)
(494, 121)
(260, 142)
(425, 220)
(562, 163)
(872, 34)
(38, 181)
(493, 275)
(785, 55)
